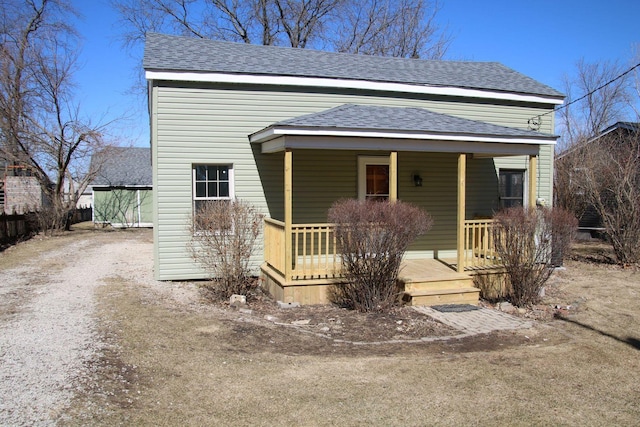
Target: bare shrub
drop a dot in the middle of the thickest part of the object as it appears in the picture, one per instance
(372, 238)
(612, 183)
(493, 286)
(564, 226)
(524, 240)
(223, 236)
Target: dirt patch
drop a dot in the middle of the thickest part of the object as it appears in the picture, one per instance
(342, 325)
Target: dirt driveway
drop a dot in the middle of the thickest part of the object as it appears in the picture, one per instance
(89, 338)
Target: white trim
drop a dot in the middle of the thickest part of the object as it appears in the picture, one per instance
(363, 161)
(105, 186)
(412, 145)
(208, 77)
(231, 182)
(138, 201)
(275, 132)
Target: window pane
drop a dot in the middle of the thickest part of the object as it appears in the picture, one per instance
(511, 187)
(201, 189)
(517, 188)
(224, 189)
(212, 189)
(201, 173)
(378, 179)
(223, 173)
(212, 173)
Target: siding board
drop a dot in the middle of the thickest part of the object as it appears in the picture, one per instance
(210, 124)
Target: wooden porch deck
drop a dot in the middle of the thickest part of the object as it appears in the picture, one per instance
(420, 282)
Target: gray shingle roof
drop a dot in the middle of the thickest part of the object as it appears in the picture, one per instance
(176, 53)
(123, 166)
(401, 119)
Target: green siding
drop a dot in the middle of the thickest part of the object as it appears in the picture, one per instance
(192, 124)
(123, 207)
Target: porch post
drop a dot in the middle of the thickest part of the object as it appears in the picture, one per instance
(462, 171)
(393, 176)
(288, 212)
(533, 176)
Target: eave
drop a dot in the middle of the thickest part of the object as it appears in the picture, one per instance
(205, 77)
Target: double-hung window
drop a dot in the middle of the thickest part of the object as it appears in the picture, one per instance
(511, 188)
(211, 183)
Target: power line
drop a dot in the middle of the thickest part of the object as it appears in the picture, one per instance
(539, 117)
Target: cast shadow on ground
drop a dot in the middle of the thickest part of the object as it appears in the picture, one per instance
(633, 342)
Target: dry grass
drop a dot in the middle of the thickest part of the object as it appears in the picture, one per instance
(168, 363)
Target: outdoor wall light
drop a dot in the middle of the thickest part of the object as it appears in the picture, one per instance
(417, 180)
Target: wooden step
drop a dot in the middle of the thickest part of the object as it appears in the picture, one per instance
(443, 296)
(427, 285)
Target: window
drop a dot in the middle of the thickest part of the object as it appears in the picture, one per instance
(373, 178)
(511, 188)
(212, 182)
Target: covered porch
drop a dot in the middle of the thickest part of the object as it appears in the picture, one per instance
(302, 260)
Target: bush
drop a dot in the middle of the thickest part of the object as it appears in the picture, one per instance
(525, 240)
(223, 236)
(372, 238)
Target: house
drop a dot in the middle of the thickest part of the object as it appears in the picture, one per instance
(571, 163)
(294, 130)
(122, 190)
(20, 191)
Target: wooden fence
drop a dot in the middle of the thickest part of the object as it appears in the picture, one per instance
(16, 226)
(13, 227)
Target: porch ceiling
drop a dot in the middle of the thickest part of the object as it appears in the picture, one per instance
(358, 127)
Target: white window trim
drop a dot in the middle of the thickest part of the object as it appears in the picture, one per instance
(525, 184)
(363, 161)
(231, 182)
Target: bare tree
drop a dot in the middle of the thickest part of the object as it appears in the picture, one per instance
(602, 170)
(41, 128)
(404, 28)
(603, 99)
(596, 98)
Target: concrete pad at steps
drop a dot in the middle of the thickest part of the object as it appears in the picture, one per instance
(482, 321)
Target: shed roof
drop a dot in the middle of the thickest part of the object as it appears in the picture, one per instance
(185, 54)
(123, 166)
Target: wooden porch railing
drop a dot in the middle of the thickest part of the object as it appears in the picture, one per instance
(313, 249)
(479, 245)
(314, 252)
(274, 247)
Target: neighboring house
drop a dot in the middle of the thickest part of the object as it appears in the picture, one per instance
(294, 130)
(20, 191)
(122, 190)
(590, 221)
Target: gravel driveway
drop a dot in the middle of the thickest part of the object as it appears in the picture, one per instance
(48, 331)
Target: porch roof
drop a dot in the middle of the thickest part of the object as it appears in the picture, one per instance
(352, 126)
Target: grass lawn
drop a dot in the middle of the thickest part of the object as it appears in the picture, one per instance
(169, 358)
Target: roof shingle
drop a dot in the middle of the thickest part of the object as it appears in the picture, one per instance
(177, 53)
(123, 166)
(402, 119)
